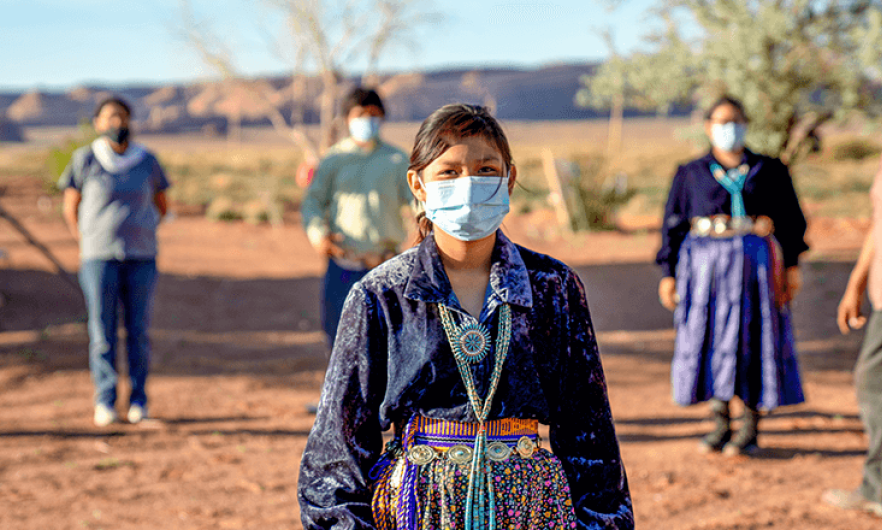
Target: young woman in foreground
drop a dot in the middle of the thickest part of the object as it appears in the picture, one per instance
(463, 345)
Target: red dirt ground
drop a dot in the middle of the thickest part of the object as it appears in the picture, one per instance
(238, 353)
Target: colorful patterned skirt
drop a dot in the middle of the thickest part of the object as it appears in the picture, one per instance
(421, 482)
(734, 333)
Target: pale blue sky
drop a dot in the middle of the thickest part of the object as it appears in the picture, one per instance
(57, 44)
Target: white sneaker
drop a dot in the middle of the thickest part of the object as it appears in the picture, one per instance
(137, 413)
(104, 415)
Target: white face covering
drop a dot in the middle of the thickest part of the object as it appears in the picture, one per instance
(467, 208)
(365, 129)
(728, 136)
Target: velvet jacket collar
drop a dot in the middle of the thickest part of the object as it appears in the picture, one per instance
(509, 279)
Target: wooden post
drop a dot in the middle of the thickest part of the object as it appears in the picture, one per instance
(616, 117)
(556, 191)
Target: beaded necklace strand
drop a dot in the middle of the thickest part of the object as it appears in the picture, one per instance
(480, 509)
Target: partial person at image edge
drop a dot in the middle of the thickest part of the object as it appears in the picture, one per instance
(866, 277)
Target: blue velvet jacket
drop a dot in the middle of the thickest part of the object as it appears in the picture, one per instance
(391, 359)
(768, 190)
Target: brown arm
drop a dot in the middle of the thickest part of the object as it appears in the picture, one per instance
(849, 312)
(161, 202)
(70, 210)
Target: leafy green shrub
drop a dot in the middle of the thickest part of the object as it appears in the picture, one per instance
(59, 157)
(601, 193)
(594, 193)
(223, 208)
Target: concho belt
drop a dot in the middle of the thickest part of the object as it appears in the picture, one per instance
(726, 226)
(462, 453)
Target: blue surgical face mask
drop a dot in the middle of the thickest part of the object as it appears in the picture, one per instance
(365, 129)
(467, 208)
(728, 136)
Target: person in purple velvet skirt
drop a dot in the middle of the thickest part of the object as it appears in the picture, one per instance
(731, 238)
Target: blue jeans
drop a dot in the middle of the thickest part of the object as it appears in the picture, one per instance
(335, 287)
(105, 285)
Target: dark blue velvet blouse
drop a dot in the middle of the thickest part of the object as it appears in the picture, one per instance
(768, 191)
(391, 359)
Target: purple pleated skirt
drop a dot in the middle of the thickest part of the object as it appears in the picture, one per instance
(734, 338)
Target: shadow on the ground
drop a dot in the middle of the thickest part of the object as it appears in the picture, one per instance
(201, 325)
(271, 327)
(211, 419)
(683, 420)
(814, 414)
(137, 432)
(67, 433)
(657, 421)
(788, 453)
(832, 423)
(624, 296)
(652, 438)
(277, 433)
(33, 300)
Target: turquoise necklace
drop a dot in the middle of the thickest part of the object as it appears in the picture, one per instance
(733, 182)
(470, 344)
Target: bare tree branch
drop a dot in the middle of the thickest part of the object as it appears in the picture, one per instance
(331, 36)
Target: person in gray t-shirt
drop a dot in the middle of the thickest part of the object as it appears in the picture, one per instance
(114, 198)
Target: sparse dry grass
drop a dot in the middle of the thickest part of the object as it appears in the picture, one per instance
(262, 168)
(837, 188)
(240, 175)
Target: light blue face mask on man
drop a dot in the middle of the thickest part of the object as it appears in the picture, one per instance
(728, 136)
(365, 129)
(467, 208)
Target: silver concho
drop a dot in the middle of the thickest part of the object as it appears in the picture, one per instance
(421, 454)
(738, 223)
(525, 447)
(460, 454)
(498, 451)
(763, 226)
(703, 226)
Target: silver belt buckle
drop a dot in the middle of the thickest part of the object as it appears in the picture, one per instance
(763, 226)
(525, 447)
(460, 454)
(720, 225)
(498, 451)
(421, 454)
(702, 226)
(742, 225)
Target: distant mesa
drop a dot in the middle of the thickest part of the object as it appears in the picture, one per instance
(391, 86)
(81, 93)
(29, 106)
(238, 100)
(167, 95)
(40, 108)
(10, 131)
(211, 107)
